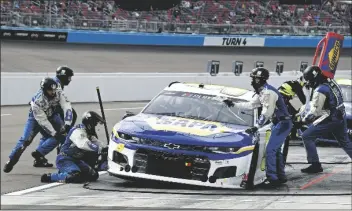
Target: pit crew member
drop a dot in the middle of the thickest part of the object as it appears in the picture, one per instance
(42, 119)
(326, 116)
(274, 109)
(63, 78)
(290, 89)
(80, 140)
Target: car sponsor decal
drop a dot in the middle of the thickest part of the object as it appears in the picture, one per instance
(120, 147)
(183, 125)
(33, 35)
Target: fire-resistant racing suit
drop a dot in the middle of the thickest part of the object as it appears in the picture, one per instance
(43, 119)
(72, 168)
(274, 109)
(327, 115)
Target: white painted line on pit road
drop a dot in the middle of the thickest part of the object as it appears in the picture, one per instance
(117, 109)
(34, 189)
(41, 187)
(6, 114)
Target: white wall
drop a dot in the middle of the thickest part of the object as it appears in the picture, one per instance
(18, 88)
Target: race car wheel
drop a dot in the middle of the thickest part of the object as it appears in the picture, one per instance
(252, 169)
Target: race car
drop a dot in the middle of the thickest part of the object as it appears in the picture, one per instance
(191, 134)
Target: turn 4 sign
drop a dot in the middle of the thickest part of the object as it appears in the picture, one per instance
(234, 41)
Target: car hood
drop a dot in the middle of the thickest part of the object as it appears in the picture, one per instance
(184, 131)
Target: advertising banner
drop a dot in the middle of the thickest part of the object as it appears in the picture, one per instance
(33, 35)
(234, 41)
(330, 53)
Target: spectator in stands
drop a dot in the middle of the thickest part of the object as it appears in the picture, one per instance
(263, 13)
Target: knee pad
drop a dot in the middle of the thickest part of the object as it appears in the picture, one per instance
(74, 177)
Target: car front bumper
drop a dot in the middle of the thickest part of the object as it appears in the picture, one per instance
(183, 169)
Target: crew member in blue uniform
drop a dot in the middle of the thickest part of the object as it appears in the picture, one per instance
(63, 78)
(81, 139)
(275, 110)
(43, 119)
(326, 116)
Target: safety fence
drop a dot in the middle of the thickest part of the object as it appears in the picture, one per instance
(164, 39)
(150, 26)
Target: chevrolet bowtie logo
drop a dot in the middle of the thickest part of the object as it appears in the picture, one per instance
(172, 146)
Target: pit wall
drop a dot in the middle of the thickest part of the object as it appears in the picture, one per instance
(141, 86)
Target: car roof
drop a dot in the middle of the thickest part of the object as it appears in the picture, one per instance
(342, 81)
(211, 89)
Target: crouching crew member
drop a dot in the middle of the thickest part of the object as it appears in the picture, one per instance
(80, 140)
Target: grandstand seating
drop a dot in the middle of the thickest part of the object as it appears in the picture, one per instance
(247, 13)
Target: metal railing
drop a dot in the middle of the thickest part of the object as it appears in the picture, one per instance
(61, 22)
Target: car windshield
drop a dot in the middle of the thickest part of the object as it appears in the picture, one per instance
(346, 91)
(200, 107)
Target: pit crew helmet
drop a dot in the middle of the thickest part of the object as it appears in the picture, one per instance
(313, 76)
(259, 77)
(64, 74)
(49, 87)
(288, 91)
(90, 120)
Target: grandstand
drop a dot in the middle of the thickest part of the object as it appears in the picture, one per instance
(192, 16)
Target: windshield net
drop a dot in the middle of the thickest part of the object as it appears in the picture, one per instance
(347, 93)
(200, 107)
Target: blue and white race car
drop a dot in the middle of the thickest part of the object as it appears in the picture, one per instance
(191, 134)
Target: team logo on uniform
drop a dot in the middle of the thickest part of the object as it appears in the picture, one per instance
(315, 73)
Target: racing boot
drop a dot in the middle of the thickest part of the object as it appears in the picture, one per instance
(312, 169)
(16, 157)
(40, 160)
(271, 184)
(8, 166)
(283, 179)
(46, 178)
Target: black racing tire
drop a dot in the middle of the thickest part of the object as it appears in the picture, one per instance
(252, 169)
